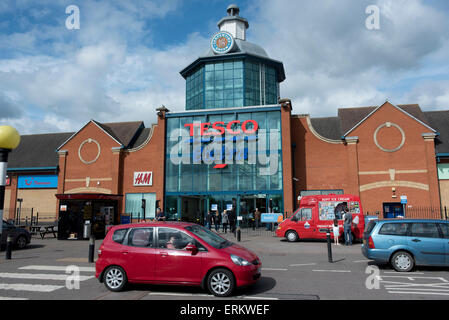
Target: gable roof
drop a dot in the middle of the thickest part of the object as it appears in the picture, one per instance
(440, 121)
(37, 151)
(124, 133)
(354, 117)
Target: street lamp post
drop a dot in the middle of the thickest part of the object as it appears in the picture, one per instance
(9, 140)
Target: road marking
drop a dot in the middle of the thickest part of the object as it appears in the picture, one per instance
(258, 298)
(29, 287)
(12, 298)
(179, 294)
(331, 270)
(404, 272)
(41, 276)
(413, 292)
(359, 261)
(302, 264)
(274, 269)
(56, 268)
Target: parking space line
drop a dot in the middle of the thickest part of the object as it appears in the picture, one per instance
(414, 292)
(331, 270)
(302, 264)
(359, 261)
(395, 272)
(274, 269)
(56, 268)
(13, 298)
(40, 276)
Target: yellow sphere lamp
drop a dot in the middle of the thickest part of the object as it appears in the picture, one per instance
(9, 138)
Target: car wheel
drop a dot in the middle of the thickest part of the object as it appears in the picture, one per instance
(402, 261)
(221, 282)
(21, 242)
(291, 236)
(115, 278)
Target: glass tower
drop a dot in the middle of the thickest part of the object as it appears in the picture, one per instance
(234, 72)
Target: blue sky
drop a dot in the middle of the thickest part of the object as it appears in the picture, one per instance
(125, 59)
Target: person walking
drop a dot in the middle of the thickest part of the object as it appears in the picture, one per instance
(347, 226)
(225, 221)
(217, 220)
(208, 220)
(232, 219)
(257, 217)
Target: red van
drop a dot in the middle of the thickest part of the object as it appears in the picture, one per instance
(316, 215)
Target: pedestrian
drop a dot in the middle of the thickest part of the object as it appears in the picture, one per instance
(336, 230)
(225, 221)
(217, 220)
(347, 226)
(160, 216)
(232, 220)
(257, 217)
(208, 220)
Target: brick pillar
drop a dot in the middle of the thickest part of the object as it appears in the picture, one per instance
(353, 185)
(61, 176)
(13, 198)
(432, 173)
(287, 168)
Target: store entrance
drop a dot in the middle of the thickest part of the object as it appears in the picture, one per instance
(193, 209)
(74, 214)
(248, 205)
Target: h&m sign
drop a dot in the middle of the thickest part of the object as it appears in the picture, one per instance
(144, 178)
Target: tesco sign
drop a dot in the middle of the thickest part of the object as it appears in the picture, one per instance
(144, 178)
(219, 127)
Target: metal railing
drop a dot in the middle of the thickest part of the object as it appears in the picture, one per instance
(418, 212)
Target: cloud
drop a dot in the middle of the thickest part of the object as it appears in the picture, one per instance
(332, 60)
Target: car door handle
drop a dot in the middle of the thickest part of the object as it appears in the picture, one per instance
(164, 254)
(416, 240)
(125, 252)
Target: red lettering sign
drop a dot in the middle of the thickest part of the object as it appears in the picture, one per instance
(143, 178)
(219, 127)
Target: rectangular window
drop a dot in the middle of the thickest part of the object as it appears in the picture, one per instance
(133, 205)
(394, 229)
(445, 229)
(141, 237)
(173, 239)
(424, 230)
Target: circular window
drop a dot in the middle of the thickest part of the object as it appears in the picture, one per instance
(389, 125)
(81, 147)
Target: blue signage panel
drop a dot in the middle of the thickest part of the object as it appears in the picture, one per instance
(270, 217)
(37, 182)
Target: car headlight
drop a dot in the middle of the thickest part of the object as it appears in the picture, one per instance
(239, 261)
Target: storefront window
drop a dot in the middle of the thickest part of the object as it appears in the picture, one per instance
(133, 205)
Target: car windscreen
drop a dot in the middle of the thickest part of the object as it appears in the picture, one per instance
(211, 238)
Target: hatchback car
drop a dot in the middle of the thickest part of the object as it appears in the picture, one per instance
(405, 243)
(176, 253)
(20, 237)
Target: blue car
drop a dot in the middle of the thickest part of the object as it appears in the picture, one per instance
(405, 243)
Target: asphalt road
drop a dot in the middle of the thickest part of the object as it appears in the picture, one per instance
(292, 271)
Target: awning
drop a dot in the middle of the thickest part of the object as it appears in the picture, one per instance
(88, 196)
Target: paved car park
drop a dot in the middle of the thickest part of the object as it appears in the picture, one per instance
(299, 271)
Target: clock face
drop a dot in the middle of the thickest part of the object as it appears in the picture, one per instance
(222, 42)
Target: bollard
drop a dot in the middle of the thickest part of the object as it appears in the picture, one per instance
(91, 248)
(8, 247)
(329, 246)
(239, 234)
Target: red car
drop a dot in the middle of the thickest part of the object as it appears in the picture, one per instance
(175, 253)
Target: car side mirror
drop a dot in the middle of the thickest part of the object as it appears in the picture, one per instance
(192, 248)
